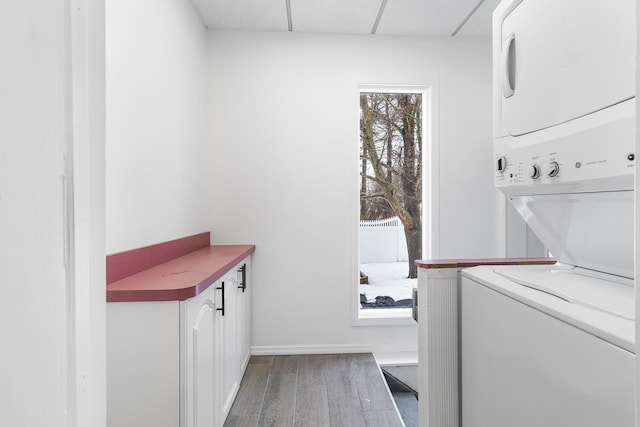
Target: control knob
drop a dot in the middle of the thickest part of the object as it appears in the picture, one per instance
(501, 165)
(552, 169)
(534, 171)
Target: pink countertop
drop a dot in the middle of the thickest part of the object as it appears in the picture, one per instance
(180, 278)
(465, 263)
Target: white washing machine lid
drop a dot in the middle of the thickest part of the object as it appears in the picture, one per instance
(601, 305)
(577, 287)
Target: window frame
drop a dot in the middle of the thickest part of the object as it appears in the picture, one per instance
(430, 231)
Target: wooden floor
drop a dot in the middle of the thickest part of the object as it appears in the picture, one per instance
(313, 390)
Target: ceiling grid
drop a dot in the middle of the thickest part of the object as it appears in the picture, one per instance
(437, 18)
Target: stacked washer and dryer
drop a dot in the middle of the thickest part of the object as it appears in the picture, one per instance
(554, 346)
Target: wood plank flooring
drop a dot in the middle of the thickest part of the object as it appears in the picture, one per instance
(333, 390)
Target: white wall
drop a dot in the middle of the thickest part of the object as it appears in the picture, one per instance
(33, 365)
(284, 135)
(637, 220)
(155, 112)
(88, 342)
(51, 214)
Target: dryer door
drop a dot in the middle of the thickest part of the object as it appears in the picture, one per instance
(561, 60)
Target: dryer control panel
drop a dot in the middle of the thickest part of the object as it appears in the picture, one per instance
(593, 153)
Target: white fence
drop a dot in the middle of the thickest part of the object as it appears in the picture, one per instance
(382, 240)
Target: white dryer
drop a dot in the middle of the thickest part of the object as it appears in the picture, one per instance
(554, 346)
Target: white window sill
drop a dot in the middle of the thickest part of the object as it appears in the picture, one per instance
(384, 317)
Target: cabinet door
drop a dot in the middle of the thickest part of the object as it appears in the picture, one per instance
(244, 315)
(228, 338)
(201, 361)
(561, 60)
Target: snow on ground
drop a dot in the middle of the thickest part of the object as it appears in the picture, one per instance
(387, 279)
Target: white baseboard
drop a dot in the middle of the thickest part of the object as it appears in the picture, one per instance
(309, 349)
(396, 358)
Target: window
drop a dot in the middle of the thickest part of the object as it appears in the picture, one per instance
(392, 189)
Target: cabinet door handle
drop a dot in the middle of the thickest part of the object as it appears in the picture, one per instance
(222, 289)
(243, 281)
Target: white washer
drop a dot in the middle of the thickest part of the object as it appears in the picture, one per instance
(555, 350)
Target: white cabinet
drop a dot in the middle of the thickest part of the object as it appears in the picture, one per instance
(229, 379)
(234, 332)
(244, 315)
(179, 363)
(214, 359)
(201, 362)
(143, 364)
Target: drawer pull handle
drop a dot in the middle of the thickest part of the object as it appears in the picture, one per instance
(222, 289)
(243, 281)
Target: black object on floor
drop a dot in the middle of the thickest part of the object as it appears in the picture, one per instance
(384, 302)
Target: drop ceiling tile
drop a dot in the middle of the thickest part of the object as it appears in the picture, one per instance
(334, 16)
(424, 17)
(243, 15)
(479, 25)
